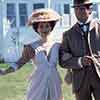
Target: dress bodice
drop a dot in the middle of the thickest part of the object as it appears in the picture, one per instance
(42, 59)
(45, 80)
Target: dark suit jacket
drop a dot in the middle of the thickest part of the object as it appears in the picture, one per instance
(73, 47)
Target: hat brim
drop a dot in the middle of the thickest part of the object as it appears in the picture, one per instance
(41, 20)
(79, 5)
(43, 15)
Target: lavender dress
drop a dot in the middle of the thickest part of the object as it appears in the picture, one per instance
(45, 82)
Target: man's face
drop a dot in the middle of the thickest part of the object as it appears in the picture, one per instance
(82, 12)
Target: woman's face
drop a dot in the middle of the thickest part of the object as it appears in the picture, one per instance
(44, 28)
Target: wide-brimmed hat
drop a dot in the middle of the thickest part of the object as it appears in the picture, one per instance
(43, 15)
(78, 3)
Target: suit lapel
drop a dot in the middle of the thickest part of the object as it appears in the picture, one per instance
(78, 29)
(92, 24)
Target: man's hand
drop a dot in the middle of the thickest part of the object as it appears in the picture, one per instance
(86, 61)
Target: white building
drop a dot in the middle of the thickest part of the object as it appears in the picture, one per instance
(17, 11)
(13, 18)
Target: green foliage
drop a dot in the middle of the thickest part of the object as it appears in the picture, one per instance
(13, 86)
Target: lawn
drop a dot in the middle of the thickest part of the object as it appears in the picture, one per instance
(13, 86)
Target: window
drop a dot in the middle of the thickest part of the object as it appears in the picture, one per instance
(23, 14)
(66, 9)
(11, 14)
(38, 5)
(95, 10)
(95, 6)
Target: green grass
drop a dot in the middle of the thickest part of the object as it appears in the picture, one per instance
(13, 86)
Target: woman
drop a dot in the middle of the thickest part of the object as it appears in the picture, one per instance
(45, 82)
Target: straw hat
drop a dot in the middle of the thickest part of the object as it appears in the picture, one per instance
(77, 3)
(43, 15)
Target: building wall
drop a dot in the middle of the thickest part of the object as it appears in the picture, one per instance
(99, 10)
(13, 38)
(0, 27)
(56, 5)
(59, 7)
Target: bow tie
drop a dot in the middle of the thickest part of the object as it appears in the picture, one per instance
(84, 27)
(84, 24)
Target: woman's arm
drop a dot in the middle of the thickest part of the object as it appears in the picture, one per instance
(28, 53)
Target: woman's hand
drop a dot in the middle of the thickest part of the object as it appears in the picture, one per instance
(2, 72)
(6, 71)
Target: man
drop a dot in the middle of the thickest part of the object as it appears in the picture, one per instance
(80, 51)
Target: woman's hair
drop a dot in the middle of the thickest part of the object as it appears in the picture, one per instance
(35, 25)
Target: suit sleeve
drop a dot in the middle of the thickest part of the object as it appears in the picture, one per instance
(66, 58)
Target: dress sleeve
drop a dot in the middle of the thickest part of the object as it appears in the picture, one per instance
(27, 54)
